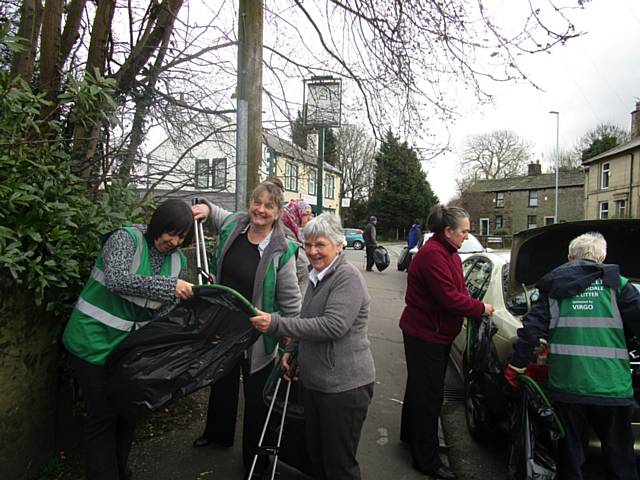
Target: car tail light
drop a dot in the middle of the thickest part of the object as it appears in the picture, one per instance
(360, 232)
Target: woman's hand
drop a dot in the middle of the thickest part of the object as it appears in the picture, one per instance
(184, 290)
(290, 374)
(262, 321)
(200, 211)
(488, 309)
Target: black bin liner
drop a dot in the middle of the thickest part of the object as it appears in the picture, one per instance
(535, 433)
(293, 447)
(189, 348)
(404, 259)
(381, 258)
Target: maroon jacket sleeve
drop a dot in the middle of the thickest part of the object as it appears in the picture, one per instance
(445, 287)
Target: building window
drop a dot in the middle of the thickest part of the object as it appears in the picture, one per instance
(621, 208)
(499, 223)
(329, 186)
(604, 210)
(533, 198)
(549, 220)
(499, 199)
(211, 174)
(604, 177)
(531, 221)
(312, 182)
(291, 177)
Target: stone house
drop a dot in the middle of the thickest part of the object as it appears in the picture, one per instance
(612, 179)
(508, 205)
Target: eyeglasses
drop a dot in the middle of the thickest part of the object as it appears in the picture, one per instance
(317, 246)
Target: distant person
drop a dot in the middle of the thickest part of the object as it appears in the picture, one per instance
(583, 311)
(334, 355)
(135, 277)
(436, 303)
(370, 242)
(415, 234)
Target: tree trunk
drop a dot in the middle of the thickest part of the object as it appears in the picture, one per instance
(29, 29)
(50, 70)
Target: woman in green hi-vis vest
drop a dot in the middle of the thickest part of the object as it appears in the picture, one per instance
(135, 277)
(254, 257)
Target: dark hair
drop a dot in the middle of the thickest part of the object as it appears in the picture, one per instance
(173, 216)
(441, 217)
(273, 190)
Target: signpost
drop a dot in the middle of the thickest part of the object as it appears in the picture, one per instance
(322, 106)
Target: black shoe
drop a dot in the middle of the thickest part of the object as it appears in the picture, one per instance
(442, 472)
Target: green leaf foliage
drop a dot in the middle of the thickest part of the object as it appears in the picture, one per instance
(401, 191)
(50, 226)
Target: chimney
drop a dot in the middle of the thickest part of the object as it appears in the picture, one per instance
(534, 168)
(635, 126)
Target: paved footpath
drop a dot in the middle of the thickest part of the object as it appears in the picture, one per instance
(381, 454)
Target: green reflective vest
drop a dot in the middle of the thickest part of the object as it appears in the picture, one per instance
(587, 347)
(269, 300)
(101, 319)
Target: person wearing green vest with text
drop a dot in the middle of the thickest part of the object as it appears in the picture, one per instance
(135, 277)
(584, 312)
(254, 257)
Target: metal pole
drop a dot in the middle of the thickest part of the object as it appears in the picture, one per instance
(321, 132)
(557, 114)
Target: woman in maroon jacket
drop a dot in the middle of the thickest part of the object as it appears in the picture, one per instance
(436, 301)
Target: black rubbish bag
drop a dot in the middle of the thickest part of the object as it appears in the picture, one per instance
(485, 371)
(381, 258)
(535, 433)
(189, 348)
(404, 259)
(293, 447)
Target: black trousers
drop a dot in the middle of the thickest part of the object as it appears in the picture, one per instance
(108, 433)
(333, 423)
(369, 249)
(423, 397)
(223, 409)
(611, 424)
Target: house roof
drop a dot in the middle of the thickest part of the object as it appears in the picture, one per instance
(530, 182)
(625, 147)
(291, 150)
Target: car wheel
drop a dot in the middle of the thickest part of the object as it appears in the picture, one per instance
(476, 411)
(358, 245)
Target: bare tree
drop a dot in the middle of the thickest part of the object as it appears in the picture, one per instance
(498, 154)
(356, 160)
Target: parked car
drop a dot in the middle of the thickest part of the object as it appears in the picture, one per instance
(354, 238)
(470, 246)
(507, 281)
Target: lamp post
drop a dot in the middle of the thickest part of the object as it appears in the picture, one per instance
(557, 114)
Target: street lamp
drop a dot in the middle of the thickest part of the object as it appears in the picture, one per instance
(557, 114)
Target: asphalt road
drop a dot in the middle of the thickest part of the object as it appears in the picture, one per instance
(381, 454)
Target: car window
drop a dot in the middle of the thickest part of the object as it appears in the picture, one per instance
(467, 265)
(478, 278)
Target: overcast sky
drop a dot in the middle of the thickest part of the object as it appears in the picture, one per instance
(593, 79)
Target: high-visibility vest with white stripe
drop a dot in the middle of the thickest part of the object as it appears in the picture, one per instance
(587, 348)
(101, 319)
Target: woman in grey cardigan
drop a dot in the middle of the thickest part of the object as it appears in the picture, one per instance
(330, 338)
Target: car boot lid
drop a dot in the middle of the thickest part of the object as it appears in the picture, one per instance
(536, 252)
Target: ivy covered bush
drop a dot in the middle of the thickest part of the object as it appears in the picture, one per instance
(50, 226)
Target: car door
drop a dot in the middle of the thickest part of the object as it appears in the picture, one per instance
(477, 272)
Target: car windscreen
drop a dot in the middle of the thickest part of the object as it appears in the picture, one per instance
(471, 245)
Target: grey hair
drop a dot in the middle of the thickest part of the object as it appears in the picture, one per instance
(326, 225)
(591, 246)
